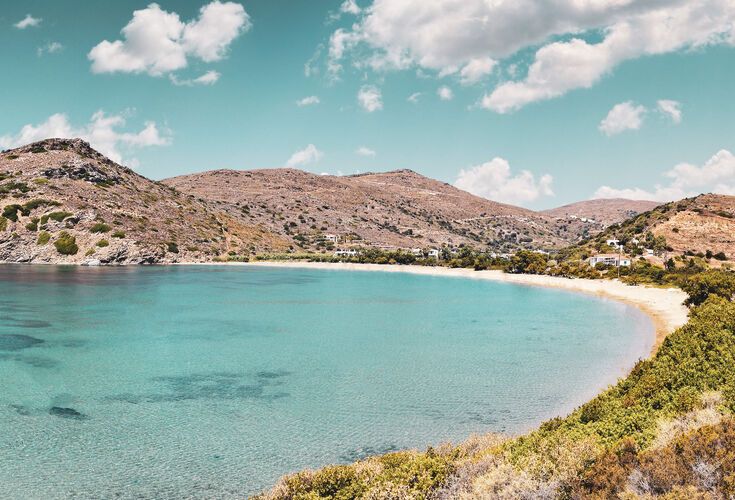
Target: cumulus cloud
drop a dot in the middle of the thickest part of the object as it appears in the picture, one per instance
(716, 175)
(308, 101)
(475, 70)
(671, 109)
(103, 132)
(365, 151)
(495, 181)
(209, 78)
(370, 98)
(28, 22)
(49, 48)
(310, 154)
(414, 98)
(445, 93)
(665, 26)
(447, 36)
(622, 117)
(157, 42)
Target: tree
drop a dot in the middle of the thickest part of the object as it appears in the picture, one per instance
(711, 282)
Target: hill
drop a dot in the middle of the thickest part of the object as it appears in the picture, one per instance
(394, 209)
(603, 212)
(702, 226)
(63, 202)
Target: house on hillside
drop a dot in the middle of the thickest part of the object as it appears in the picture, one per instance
(615, 243)
(332, 238)
(609, 259)
(345, 253)
(434, 253)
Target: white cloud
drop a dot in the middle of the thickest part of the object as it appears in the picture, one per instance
(445, 93)
(209, 78)
(157, 42)
(49, 48)
(310, 154)
(414, 98)
(28, 22)
(102, 132)
(494, 180)
(370, 98)
(662, 27)
(308, 101)
(622, 117)
(350, 7)
(365, 151)
(717, 175)
(476, 70)
(672, 109)
(446, 36)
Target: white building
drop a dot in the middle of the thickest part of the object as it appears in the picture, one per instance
(613, 243)
(345, 253)
(609, 259)
(434, 253)
(333, 238)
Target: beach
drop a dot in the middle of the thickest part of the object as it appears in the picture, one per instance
(665, 306)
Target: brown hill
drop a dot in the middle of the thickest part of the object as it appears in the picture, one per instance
(394, 209)
(703, 225)
(62, 201)
(603, 212)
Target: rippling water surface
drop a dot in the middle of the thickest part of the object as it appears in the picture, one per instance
(211, 382)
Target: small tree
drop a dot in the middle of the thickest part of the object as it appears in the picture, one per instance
(712, 282)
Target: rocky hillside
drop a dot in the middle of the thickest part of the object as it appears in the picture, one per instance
(395, 209)
(603, 212)
(703, 226)
(63, 202)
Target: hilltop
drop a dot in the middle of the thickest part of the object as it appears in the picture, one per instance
(393, 209)
(603, 211)
(63, 202)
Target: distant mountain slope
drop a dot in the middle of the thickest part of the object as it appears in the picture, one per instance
(701, 225)
(604, 211)
(62, 201)
(397, 209)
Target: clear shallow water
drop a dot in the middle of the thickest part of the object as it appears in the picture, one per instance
(212, 382)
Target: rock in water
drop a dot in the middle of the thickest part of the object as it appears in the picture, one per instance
(66, 412)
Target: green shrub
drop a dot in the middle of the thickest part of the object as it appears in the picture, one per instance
(118, 234)
(172, 247)
(57, 216)
(39, 202)
(712, 282)
(66, 244)
(38, 149)
(103, 243)
(100, 227)
(41, 181)
(43, 238)
(3, 223)
(33, 224)
(10, 212)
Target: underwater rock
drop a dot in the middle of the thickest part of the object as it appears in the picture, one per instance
(16, 342)
(62, 412)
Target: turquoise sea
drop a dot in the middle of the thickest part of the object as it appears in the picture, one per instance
(213, 381)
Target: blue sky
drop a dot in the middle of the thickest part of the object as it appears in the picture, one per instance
(543, 103)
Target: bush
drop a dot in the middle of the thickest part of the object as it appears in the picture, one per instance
(103, 243)
(10, 212)
(100, 227)
(711, 282)
(43, 238)
(118, 234)
(56, 216)
(3, 223)
(172, 247)
(33, 225)
(66, 244)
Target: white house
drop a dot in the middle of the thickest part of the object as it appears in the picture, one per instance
(609, 259)
(333, 238)
(345, 253)
(434, 253)
(613, 243)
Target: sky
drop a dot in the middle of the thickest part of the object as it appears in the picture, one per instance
(536, 103)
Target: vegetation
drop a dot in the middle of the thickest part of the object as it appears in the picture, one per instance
(66, 244)
(100, 227)
(43, 238)
(103, 243)
(118, 234)
(712, 282)
(3, 223)
(55, 216)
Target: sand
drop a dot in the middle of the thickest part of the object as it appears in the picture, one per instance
(663, 305)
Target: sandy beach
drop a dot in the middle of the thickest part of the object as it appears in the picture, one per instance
(663, 305)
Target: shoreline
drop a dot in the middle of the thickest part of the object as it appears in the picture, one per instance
(665, 306)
